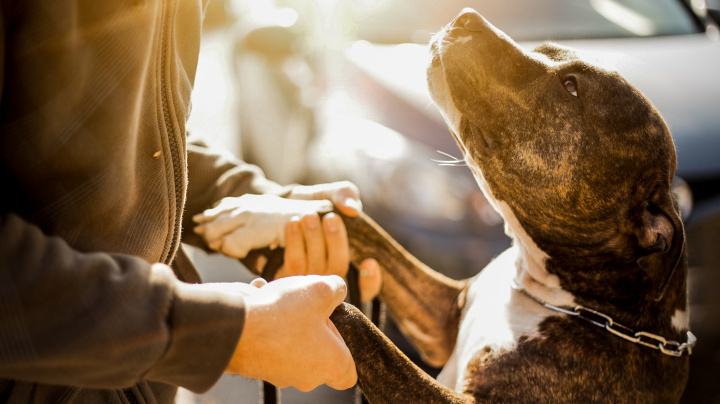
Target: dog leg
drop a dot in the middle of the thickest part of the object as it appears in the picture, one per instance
(385, 374)
(425, 304)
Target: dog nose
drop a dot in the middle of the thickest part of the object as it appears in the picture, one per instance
(470, 20)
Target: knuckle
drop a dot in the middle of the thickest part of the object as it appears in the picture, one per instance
(347, 185)
(324, 290)
(306, 387)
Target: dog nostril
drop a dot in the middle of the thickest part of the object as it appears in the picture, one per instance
(460, 21)
(471, 21)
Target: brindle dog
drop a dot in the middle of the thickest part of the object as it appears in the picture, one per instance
(588, 303)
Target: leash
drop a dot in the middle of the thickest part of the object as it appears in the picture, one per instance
(644, 338)
(270, 394)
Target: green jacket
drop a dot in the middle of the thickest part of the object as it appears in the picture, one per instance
(98, 185)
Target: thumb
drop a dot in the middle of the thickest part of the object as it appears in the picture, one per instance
(346, 376)
(331, 291)
(348, 205)
(346, 196)
(343, 194)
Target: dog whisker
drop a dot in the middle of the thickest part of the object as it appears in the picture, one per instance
(449, 155)
(454, 162)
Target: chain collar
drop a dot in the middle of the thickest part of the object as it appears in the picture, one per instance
(668, 347)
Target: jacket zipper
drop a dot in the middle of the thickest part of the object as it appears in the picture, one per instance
(130, 396)
(171, 138)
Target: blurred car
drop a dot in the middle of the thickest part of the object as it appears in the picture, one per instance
(379, 128)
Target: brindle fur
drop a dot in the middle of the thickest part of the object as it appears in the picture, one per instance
(589, 180)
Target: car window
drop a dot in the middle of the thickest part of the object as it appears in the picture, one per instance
(397, 21)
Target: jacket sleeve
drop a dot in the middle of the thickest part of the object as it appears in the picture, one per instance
(106, 320)
(213, 176)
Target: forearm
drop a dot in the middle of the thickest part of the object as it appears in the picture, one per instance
(106, 320)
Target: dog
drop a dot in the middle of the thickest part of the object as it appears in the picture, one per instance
(590, 303)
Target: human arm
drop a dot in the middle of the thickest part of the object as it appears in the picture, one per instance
(106, 320)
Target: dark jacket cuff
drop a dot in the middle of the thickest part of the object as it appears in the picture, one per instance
(205, 326)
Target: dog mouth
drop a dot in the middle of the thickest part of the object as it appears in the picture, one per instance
(445, 46)
(464, 131)
(459, 143)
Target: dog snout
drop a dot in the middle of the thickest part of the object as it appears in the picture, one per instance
(470, 19)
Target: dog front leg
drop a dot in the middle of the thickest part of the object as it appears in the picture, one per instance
(385, 374)
(425, 304)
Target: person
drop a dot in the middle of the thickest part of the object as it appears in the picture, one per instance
(98, 299)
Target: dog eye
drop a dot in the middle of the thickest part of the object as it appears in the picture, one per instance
(571, 87)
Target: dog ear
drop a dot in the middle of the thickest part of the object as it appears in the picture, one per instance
(557, 53)
(661, 238)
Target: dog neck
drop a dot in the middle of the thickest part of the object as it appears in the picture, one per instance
(531, 272)
(532, 275)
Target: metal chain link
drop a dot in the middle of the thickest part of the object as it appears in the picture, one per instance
(644, 338)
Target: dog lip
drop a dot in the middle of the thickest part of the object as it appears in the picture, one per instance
(478, 135)
(459, 142)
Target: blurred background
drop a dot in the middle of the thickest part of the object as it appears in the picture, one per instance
(324, 90)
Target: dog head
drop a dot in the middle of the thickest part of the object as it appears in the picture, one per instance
(576, 159)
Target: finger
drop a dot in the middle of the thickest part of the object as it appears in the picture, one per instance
(280, 273)
(314, 244)
(295, 257)
(237, 244)
(343, 194)
(336, 240)
(346, 197)
(223, 225)
(209, 214)
(346, 378)
(349, 206)
(345, 375)
(202, 218)
(200, 229)
(370, 279)
(258, 282)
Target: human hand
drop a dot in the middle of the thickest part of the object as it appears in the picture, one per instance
(240, 224)
(343, 194)
(288, 338)
(320, 246)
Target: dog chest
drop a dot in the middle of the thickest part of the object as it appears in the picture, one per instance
(494, 318)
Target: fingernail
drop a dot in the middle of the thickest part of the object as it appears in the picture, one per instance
(353, 203)
(311, 221)
(258, 282)
(331, 222)
(364, 273)
(294, 224)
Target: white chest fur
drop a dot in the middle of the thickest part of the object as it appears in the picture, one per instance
(495, 316)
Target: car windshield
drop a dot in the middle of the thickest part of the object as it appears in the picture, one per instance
(398, 21)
